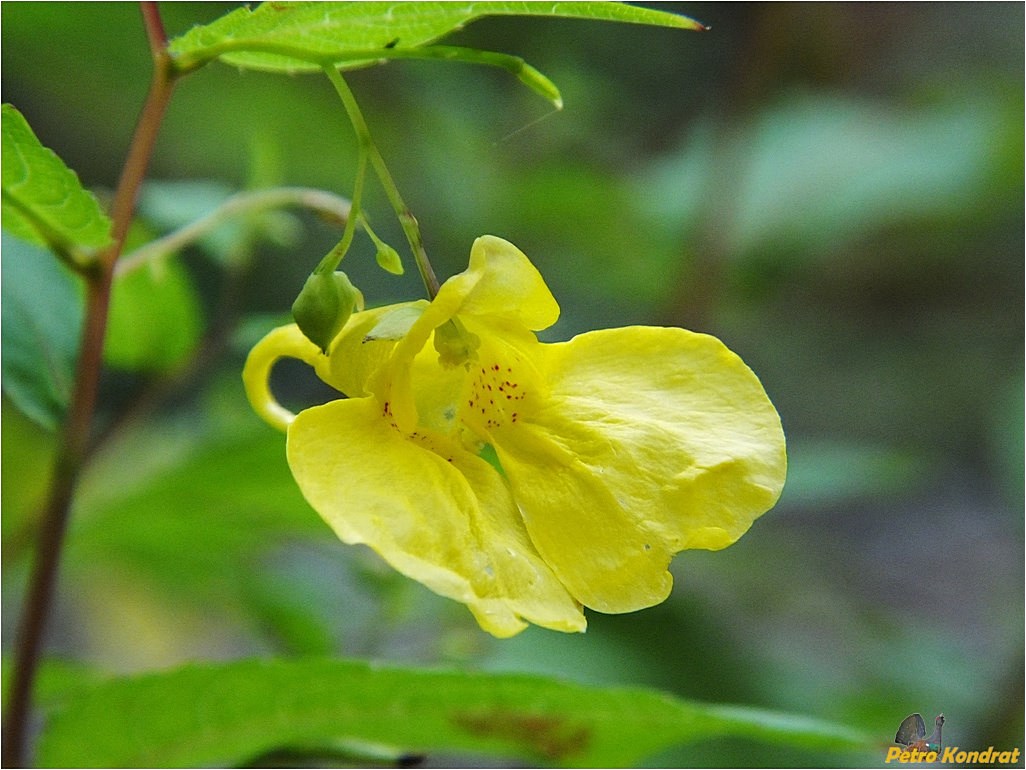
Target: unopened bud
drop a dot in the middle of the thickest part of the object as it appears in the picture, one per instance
(388, 259)
(324, 305)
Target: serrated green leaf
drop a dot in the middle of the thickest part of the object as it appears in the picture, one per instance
(359, 32)
(219, 714)
(155, 319)
(42, 313)
(43, 201)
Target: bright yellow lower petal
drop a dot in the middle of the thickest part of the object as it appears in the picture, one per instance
(600, 550)
(447, 520)
(524, 582)
(652, 440)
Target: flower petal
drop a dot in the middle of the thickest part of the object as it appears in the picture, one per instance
(652, 440)
(362, 347)
(506, 286)
(500, 285)
(446, 520)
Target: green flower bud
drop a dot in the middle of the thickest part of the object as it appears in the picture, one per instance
(388, 259)
(324, 305)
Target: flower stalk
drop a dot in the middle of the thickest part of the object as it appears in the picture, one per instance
(367, 148)
(324, 203)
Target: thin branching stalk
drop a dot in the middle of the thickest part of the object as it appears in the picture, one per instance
(324, 203)
(406, 219)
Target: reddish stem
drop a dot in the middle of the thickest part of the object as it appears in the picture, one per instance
(75, 437)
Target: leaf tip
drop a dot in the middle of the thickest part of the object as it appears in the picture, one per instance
(686, 22)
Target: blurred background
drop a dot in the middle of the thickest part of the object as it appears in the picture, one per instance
(835, 190)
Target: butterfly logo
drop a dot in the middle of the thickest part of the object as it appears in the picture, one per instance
(912, 733)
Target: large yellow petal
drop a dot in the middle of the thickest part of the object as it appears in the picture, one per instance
(652, 440)
(435, 512)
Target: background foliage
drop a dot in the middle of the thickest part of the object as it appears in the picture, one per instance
(834, 190)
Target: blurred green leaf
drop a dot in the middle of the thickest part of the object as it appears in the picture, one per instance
(42, 320)
(169, 205)
(832, 472)
(336, 32)
(56, 680)
(195, 521)
(895, 167)
(225, 223)
(227, 713)
(155, 319)
(796, 194)
(284, 612)
(28, 455)
(43, 201)
(188, 517)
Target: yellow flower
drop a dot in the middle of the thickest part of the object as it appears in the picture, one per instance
(521, 478)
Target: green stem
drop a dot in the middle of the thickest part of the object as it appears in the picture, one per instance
(74, 442)
(375, 239)
(325, 203)
(334, 257)
(406, 219)
(514, 65)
